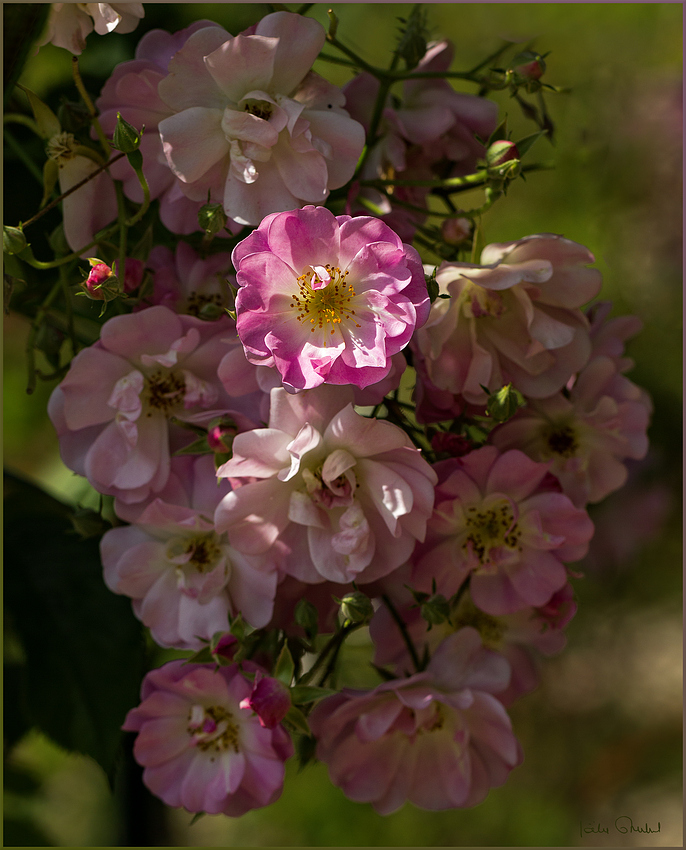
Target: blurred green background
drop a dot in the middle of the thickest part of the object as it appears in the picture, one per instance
(602, 735)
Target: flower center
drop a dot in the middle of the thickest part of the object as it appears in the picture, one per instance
(562, 441)
(201, 552)
(324, 298)
(164, 391)
(197, 300)
(488, 528)
(211, 728)
(480, 302)
(61, 147)
(259, 108)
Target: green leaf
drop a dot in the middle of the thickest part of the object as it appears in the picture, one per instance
(197, 447)
(302, 694)
(524, 144)
(82, 644)
(297, 720)
(48, 122)
(285, 666)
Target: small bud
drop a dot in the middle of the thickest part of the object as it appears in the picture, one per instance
(503, 404)
(455, 231)
(435, 610)
(527, 69)
(126, 138)
(501, 152)
(225, 648)
(220, 434)
(13, 240)
(101, 284)
(453, 444)
(269, 699)
(212, 218)
(357, 607)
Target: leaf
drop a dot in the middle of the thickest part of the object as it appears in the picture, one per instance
(524, 144)
(48, 122)
(82, 644)
(297, 720)
(302, 694)
(285, 666)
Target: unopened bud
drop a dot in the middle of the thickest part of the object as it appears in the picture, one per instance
(436, 609)
(453, 444)
(357, 607)
(269, 699)
(220, 434)
(456, 230)
(503, 404)
(13, 240)
(101, 284)
(224, 649)
(212, 218)
(527, 69)
(501, 152)
(126, 138)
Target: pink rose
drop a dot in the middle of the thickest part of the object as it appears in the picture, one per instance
(514, 319)
(348, 496)
(199, 748)
(327, 299)
(497, 522)
(439, 739)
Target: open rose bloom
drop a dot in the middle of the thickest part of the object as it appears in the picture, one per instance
(439, 738)
(515, 318)
(347, 496)
(327, 299)
(200, 747)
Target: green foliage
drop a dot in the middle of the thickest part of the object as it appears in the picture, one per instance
(82, 645)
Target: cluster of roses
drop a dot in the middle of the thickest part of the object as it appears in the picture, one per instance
(300, 500)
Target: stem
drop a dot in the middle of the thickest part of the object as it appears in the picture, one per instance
(18, 118)
(89, 104)
(470, 180)
(75, 255)
(73, 189)
(146, 200)
(358, 62)
(336, 60)
(403, 631)
(121, 215)
(336, 640)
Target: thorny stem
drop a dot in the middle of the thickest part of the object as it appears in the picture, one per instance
(81, 183)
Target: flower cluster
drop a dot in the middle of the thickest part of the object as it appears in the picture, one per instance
(306, 428)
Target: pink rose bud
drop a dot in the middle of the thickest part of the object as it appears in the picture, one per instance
(454, 444)
(226, 647)
(501, 152)
(456, 230)
(269, 699)
(102, 283)
(529, 65)
(220, 436)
